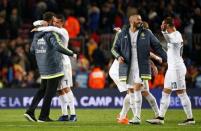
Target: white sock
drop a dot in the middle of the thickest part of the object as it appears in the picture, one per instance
(152, 102)
(164, 104)
(126, 106)
(71, 102)
(132, 102)
(186, 103)
(138, 103)
(63, 100)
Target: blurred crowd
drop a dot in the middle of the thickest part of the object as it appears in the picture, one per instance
(90, 25)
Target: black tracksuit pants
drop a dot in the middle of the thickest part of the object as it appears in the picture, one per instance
(46, 91)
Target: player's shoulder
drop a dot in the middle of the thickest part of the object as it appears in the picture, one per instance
(64, 31)
(178, 34)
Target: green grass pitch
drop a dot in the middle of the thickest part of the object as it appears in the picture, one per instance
(95, 120)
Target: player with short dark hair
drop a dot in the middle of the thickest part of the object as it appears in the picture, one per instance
(175, 75)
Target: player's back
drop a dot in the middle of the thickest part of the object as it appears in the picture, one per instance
(175, 49)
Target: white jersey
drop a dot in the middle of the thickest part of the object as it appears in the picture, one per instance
(134, 76)
(64, 38)
(174, 49)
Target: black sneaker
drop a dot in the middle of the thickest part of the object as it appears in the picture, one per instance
(157, 120)
(187, 122)
(45, 120)
(73, 118)
(30, 117)
(63, 118)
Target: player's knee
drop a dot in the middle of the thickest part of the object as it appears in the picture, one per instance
(60, 92)
(138, 87)
(67, 89)
(131, 90)
(180, 92)
(145, 93)
(167, 91)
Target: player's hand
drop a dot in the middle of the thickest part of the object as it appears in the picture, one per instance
(121, 59)
(159, 59)
(155, 70)
(34, 30)
(44, 23)
(163, 27)
(75, 56)
(117, 29)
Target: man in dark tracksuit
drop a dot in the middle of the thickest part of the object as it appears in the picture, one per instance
(132, 49)
(48, 50)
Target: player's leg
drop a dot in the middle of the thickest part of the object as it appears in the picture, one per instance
(71, 104)
(186, 103)
(64, 102)
(135, 87)
(150, 98)
(136, 102)
(164, 104)
(169, 85)
(50, 92)
(30, 113)
(122, 86)
(126, 106)
(122, 117)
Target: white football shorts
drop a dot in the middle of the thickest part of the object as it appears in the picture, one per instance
(67, 80)
(122, 85)
(175, 79)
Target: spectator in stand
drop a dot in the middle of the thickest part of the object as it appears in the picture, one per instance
(72, 25)
(197, 21)
(159, 79)
(198, 79)
(91, 47)
(14, 23)
(3, 26)
(94, 17)
(97, 78)
(98, 57)
(81, 76)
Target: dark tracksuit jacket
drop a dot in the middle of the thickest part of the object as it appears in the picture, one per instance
(48, 49)
(145, 41)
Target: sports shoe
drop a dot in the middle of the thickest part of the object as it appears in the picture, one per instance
(158, 120)
(187, 122)
(63, 118)
(135, 120)
(73, 118)
(30, 117)
(45, 120)
(122, 121)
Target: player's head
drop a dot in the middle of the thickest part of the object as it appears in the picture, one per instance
(135, 20)
(58, 20)
(48, 16)
(169, 22)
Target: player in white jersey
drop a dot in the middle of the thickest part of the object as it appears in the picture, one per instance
(122, 86)
(64, 90)
(175, 75)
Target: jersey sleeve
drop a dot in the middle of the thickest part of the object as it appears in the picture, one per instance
(173, 38)
(60, 31)
(37, 23)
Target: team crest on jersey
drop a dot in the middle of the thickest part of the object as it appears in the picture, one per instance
(142, 35)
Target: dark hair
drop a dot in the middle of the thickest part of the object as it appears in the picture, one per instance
(169, 21)
(47, 16)
(61, 17)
